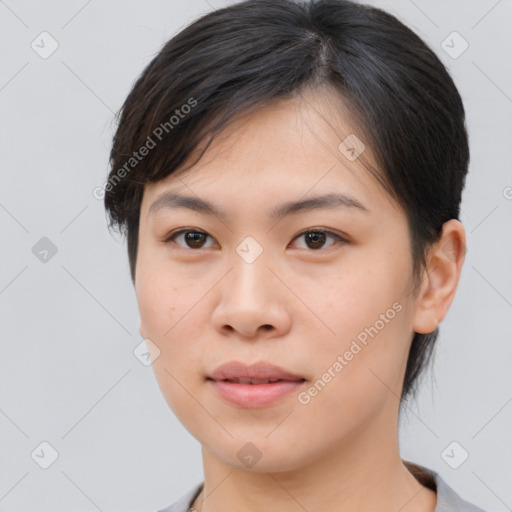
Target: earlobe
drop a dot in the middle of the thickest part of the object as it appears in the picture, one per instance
(440, 278)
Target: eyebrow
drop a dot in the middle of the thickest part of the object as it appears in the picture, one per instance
(171, 200)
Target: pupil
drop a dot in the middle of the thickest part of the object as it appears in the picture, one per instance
(194, 237)
(317, 237)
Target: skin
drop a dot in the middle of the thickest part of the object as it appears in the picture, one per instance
(203, 305)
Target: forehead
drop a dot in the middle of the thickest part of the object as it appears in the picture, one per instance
(290, 148)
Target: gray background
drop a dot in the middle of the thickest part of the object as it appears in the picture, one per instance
(69, 325)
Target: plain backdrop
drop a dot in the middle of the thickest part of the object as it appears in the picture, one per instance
(69, 319)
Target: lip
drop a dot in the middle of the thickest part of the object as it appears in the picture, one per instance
(261, 370)
(253, 395)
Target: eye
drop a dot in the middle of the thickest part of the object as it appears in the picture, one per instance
(193, 238)
(315, 238)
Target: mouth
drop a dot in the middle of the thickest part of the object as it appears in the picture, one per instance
(255, 382)
(254, 385)
(262, 372)
(250, 393)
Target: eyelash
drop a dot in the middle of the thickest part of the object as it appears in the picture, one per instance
(173, 235)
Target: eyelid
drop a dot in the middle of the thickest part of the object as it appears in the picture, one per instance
(337, 236)
(174, 234)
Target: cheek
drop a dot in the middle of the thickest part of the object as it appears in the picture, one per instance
(356, 382)
(168, 321)
(367, 352)
(164, 312)
(158, 295)
(155, 307)
(357, 301)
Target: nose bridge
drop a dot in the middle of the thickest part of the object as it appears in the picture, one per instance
(249, 296)
(250, 273)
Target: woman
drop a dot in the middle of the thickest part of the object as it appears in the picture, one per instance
(289, 177)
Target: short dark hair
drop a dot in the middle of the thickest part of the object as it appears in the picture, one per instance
(239, 58)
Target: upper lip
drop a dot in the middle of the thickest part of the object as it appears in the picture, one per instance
(260, 371)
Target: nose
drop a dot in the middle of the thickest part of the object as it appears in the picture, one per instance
(252, 302)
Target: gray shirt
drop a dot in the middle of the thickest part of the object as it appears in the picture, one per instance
(447, 499)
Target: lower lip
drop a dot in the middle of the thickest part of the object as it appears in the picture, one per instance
(254, 395)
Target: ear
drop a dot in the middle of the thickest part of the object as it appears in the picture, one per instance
(440, 278)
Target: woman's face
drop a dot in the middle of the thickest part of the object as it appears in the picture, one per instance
(251, 286)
